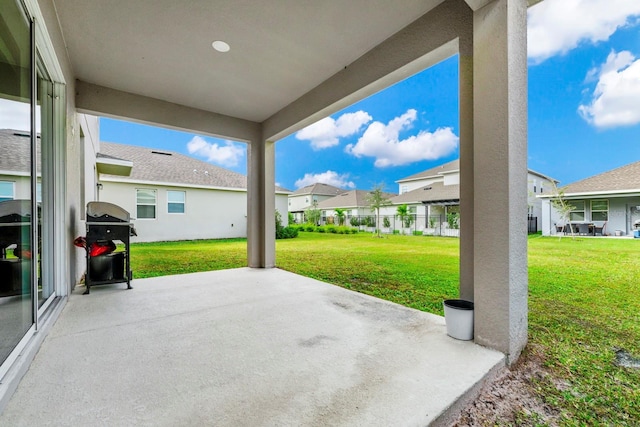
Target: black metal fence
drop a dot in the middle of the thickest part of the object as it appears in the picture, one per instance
(532, 224)
(433, 225)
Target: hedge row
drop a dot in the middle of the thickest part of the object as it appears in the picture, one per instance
(326, 229)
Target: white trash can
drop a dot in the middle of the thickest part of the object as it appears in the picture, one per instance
(458, 315)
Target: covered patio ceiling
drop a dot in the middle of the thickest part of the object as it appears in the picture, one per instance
(280, 50)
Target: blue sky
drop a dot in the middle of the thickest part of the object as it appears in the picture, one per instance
(584, 111)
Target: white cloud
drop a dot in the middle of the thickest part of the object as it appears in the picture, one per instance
(325, 133)
(557, 26)
(615, 99)
(228, 154)
(329, 177)
(17, 115)
(382, 142)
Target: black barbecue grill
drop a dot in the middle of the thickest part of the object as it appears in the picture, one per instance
(15, 228)
(106, 223)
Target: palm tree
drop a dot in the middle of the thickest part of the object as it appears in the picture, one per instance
(340, 215)
(403, 213)
(376, 199)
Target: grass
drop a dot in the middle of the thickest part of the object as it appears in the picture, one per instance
(584, 301)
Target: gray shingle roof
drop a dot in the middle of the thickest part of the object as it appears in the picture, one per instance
(435, 192)
(624, 178)
(454, 166)
(170, 167)
(447, 167)
(319, 189)
(349, 199)
(18, 143)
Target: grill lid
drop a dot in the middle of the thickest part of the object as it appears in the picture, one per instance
(106, 212)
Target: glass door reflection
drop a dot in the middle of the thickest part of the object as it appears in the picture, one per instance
(16, 307)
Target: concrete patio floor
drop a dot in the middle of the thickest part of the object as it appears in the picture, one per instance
(245, 347)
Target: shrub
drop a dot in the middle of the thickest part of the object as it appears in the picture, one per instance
(453, 219)
(354, 221)
(354, 231)
(385, 222)
(284, 232)
(332, 229)
(287, 233)
(370, 221)
(396, 231)
(321, 229)
(310, 228)
(417, 232)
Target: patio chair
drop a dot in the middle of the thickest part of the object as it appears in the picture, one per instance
(583, 229)
(599, 230)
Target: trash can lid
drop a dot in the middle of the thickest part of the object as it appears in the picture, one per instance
(460, 304)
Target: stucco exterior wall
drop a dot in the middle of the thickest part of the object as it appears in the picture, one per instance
(21, 185)
(209, 213)
(405, 187)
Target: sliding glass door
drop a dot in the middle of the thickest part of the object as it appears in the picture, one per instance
(16, 204)
(30, 127)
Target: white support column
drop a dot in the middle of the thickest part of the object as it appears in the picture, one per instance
(261, 229)
(500, 176)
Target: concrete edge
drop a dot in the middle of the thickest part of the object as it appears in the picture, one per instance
(21, 365)
(450, 414)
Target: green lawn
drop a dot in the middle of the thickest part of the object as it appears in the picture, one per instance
(584, 299)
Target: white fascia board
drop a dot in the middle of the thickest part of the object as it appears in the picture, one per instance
(180, 185)
(594, 194)
(170, 184)
(114, 166)
(14, 173)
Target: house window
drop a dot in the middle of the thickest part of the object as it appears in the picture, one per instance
(541, 189)
(412, 209)
(599, 210)
(535, 186)
(146, 203)
(175, 202)
(6, 191)
(577, 214)
(404, 189)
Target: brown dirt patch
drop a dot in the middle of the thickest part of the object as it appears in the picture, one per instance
(511, 399)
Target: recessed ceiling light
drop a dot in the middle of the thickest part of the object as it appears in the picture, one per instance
(220, 46)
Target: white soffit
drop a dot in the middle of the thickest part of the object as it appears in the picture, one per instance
(279, 49)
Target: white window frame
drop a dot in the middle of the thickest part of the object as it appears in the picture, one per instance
(12, 196)
(599, 210)
(155, 204)
(576, 211)
(183, 202)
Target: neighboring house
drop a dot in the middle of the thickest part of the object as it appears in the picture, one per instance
(176, 197)
(303, 198)
(428, 206)
(610, 200)
(15, 182)
(353, 202)
(436, 192)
